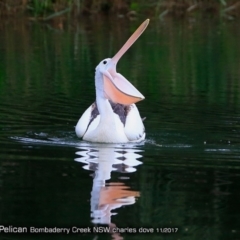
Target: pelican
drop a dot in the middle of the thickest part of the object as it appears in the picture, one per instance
(113, 117)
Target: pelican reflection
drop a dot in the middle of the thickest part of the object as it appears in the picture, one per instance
(105, 197)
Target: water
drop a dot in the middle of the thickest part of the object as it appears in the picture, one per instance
(184, 177)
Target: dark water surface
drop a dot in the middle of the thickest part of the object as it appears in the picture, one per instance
(186, 175)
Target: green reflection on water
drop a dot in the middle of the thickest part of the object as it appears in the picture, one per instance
(189, 74)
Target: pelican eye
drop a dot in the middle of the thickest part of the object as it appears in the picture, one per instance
(104, 62)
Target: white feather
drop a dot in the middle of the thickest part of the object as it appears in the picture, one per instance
(108, 131)
(111, 130)
(134, 128)
(83, 122)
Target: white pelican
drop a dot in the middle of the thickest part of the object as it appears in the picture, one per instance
(113, 117)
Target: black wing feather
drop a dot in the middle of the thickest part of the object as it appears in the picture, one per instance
(120, 109)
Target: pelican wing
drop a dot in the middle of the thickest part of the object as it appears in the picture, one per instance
(128, 115)
(134, 128)
(88, 121)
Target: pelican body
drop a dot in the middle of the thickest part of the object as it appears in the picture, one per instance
(113, 117)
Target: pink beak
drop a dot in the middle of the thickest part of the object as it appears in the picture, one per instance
(117, 87)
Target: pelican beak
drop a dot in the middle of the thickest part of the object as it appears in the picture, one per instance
(117, 88)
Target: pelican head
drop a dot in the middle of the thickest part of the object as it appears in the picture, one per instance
(103, 65)
(115, 86)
